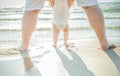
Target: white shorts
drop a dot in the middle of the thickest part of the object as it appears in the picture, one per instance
(34, 5)
(83, 3)
(39, 4)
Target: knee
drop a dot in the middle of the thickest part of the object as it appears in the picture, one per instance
(56, 31)
(65, 30)
(33, 12)
(85, 8)
(90, 7)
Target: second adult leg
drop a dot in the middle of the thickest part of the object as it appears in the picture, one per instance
(29, 21)
(96, 20)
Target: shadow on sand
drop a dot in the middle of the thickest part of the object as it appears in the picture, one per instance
(33, 72)
(28, 62)
(75, 66)
(114, 57)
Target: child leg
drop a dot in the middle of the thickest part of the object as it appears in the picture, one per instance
(66, 35)
(55, 35)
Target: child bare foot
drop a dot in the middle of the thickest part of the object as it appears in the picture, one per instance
(66, 45)
(54, 46)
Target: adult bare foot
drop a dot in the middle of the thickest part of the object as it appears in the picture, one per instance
(27, 60)
(105, 46)
(27, 63)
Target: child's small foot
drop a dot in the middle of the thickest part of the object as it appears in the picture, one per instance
(54, 46)
(66, 45)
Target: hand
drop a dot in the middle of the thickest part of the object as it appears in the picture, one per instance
(70, 3)
(51, 2)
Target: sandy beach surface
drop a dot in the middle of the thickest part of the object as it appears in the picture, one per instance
(82, 58)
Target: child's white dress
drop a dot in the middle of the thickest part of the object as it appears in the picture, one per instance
(60, 13)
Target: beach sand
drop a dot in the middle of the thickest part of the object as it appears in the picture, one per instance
(82, 58)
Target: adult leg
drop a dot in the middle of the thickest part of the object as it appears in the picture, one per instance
(28, 26)
(66, 35)
(96, 20)
(55, 35)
